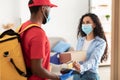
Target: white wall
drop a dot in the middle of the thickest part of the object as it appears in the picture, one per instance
(24, 10)
(9, 12)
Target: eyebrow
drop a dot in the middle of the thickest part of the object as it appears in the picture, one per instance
(86, 22)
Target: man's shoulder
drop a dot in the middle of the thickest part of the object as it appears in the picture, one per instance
(31, 27)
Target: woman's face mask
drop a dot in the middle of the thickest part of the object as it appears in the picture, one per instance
(87, 28)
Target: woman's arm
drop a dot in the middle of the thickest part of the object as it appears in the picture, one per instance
(94, 58)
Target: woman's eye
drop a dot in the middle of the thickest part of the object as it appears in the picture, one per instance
(87, 22)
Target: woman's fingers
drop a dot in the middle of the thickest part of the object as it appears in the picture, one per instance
(76, 66)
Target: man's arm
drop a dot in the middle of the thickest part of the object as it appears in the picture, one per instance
(39, 70)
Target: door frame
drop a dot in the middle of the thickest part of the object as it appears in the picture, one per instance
(115, 48)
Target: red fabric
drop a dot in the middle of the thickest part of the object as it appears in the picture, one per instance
(35, 45)
(41, 3)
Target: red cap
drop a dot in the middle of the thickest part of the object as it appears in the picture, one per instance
(41, 3)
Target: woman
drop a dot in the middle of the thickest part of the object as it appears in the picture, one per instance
(91, 38)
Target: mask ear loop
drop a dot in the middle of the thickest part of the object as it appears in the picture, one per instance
(47, 18)
(43, 11)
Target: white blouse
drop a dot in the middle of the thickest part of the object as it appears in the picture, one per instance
(86, 44)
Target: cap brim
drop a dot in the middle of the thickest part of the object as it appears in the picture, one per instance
(52, 5)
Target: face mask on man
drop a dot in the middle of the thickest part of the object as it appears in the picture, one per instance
(46, 17)
(87, 28)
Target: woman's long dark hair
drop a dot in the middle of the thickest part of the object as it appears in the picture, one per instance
(98, 31)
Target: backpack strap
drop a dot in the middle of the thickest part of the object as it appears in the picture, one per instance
(29, 26)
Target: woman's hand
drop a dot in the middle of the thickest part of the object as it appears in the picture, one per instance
(76, 66)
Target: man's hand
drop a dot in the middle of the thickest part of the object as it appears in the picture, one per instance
(66, 76)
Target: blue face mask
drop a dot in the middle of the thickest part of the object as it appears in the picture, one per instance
(48, 19)
(46, 16)
(87, 28)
